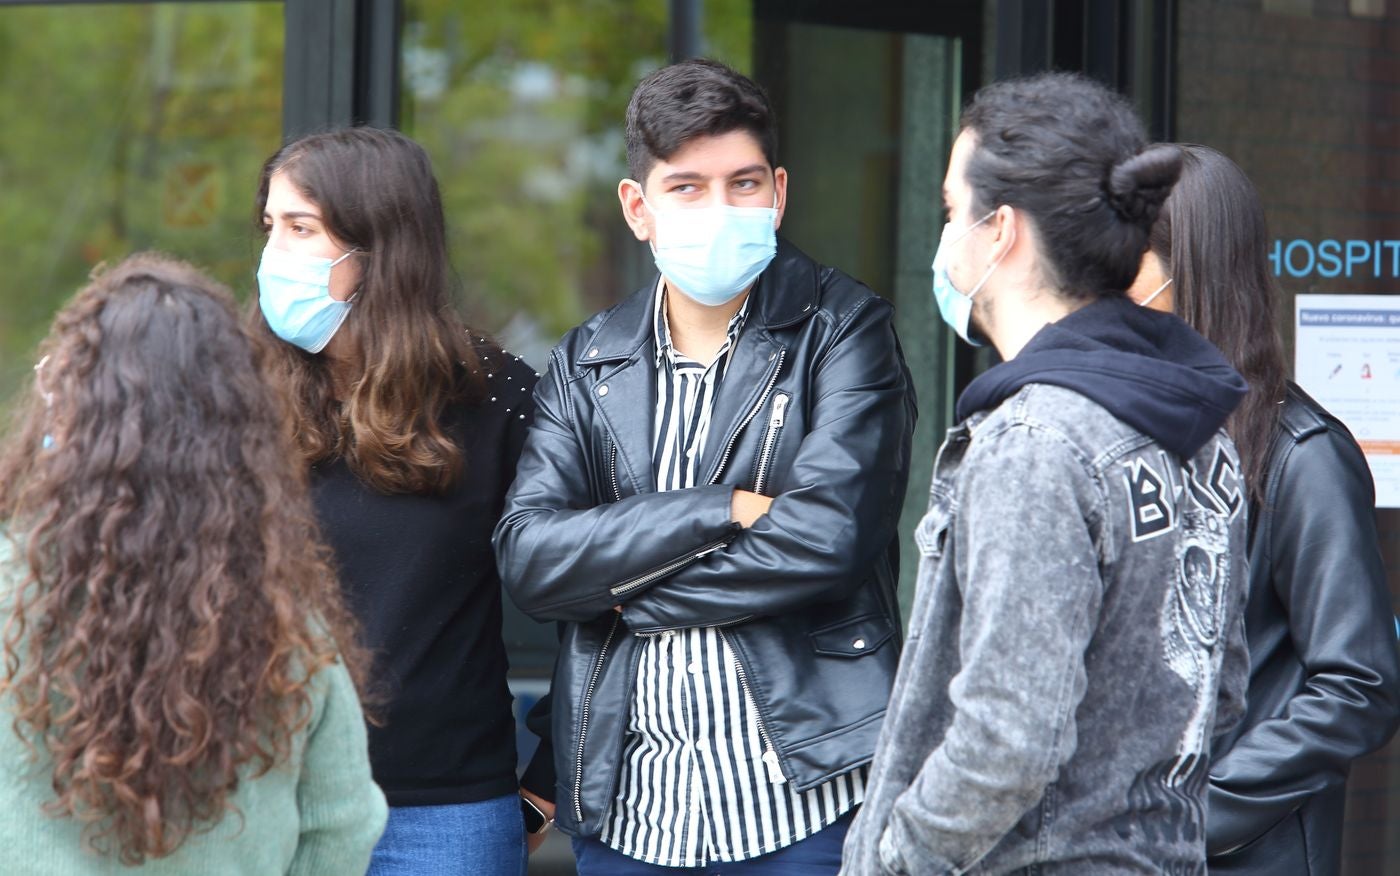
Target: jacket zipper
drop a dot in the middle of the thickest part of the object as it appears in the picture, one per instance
(691, 556)
(762, 400)
(770, 441)
(583, 721)
(612, 469)
(665, 569)
(770, 753)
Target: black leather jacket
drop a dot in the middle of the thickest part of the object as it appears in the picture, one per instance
(817, 410)
(1324, 673)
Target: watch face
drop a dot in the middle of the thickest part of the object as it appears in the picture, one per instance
(535, 820)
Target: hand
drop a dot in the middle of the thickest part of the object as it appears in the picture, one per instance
(746, 507)
(534, 840)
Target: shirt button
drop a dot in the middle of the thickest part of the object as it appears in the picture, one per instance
(602, 390)
(858, 644)
(694, 668)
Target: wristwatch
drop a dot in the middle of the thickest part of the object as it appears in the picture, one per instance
(536, 822)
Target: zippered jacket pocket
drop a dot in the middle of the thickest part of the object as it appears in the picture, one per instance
(670, 567)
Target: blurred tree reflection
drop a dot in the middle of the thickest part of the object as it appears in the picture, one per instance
(127, 127)
(521, 107)
(143, 125)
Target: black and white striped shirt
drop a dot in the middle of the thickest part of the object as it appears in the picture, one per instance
(695, 784)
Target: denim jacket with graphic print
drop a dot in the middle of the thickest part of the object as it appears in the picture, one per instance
(1076, 641)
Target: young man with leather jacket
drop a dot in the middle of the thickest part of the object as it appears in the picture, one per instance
(707, 501)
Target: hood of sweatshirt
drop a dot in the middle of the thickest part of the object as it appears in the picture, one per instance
(1149, 369)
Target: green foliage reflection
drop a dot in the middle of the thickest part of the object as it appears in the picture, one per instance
(128, 127)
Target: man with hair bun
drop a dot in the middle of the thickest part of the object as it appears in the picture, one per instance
(1077, 637)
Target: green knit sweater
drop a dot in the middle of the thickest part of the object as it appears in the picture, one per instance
(317, 813)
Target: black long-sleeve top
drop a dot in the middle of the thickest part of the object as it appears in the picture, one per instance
(419, 574)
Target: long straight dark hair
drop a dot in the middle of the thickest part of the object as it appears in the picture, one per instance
(377, 193)
(1213, 240)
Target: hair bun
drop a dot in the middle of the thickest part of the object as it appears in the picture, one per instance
(1136, 188)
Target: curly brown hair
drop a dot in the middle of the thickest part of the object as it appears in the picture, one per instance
(173, 600)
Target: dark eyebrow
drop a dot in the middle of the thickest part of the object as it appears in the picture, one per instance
(294, 214)
(692, 176)
(751, 169)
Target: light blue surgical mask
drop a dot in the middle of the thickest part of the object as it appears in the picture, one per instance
(954, 306)
(294, 292)
(714, 253)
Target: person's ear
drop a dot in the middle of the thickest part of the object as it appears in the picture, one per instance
(780, 181)
(1005, 224)
(634, 209)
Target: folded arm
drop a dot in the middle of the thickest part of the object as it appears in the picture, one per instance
(559, 554)
(817, 539)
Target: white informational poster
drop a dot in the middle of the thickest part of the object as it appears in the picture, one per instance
(1348, 358)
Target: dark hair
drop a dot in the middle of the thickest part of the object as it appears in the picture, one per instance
(695, 98)
(1070, 153)
(377, 193)
(175, 600)
(1213, 241)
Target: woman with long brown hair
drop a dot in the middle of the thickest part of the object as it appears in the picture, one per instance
(179, 671)
(1324, 676)
(410, 426)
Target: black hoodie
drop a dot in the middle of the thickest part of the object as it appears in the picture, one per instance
(1148, 369)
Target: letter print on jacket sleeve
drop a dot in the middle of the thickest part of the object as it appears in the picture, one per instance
(1196, 506)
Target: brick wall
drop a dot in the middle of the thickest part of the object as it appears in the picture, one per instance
(1305, 96)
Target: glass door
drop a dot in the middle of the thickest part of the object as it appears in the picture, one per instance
(128, 126)
(868, 103)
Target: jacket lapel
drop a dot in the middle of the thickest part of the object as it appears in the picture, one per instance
(751, 370)
(624, 392)
(786, 293)
(626, 400)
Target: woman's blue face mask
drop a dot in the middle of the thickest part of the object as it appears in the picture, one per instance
(294, 293)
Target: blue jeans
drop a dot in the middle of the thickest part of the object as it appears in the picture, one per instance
(464, 839)
(817, 855)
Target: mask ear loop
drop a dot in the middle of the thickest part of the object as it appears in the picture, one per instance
(347, 254)
(1148, 300)
(47, 443)
(39, 382)
(996, 264)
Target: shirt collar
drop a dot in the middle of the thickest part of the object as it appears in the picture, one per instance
(662, 326)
